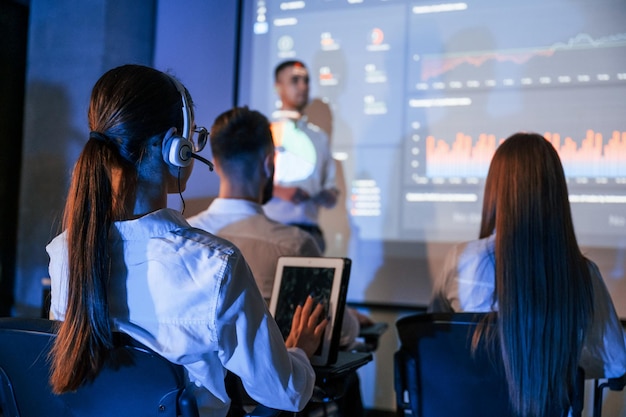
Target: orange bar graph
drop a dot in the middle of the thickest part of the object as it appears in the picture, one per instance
(461, 159)
(591, 156)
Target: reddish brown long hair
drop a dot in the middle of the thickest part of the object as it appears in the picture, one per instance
(543, 286)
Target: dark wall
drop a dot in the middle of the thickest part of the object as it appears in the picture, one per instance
(13, 32)
(70, 45)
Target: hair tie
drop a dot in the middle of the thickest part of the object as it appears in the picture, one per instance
(99, 136)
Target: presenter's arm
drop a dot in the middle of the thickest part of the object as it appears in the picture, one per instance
(295, 195)
(327, 198)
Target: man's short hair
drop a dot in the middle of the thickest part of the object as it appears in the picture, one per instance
(238, 136)
(287, 64)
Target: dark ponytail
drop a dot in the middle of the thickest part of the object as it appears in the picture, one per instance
(129, 105)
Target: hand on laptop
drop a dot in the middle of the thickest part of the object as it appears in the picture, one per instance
(306, 327)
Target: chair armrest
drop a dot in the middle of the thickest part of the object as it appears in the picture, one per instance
(371, 335)
(187, 404)
(614, 384)
(263, 411)
(331, 380)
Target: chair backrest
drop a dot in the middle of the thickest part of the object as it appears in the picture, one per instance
(437, 375)
(135, 382)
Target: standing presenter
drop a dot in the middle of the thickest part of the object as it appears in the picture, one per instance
(305, 170)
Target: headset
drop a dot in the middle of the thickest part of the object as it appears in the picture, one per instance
(178, 149)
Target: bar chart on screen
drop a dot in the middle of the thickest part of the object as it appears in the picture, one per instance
(590, 155)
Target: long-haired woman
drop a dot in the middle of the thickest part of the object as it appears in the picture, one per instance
(554, 312)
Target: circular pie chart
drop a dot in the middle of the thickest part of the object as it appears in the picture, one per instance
(296, 156)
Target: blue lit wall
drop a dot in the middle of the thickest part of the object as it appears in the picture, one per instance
(71, 43)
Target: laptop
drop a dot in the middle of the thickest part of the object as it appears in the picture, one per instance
(324, 278)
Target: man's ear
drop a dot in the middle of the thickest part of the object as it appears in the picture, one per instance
(268, 165)
(217, 167)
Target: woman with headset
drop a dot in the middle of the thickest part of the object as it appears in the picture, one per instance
(126, 262)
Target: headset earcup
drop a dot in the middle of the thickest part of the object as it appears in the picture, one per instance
(177, 151)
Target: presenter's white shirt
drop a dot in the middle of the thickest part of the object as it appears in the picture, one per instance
(304, 160)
